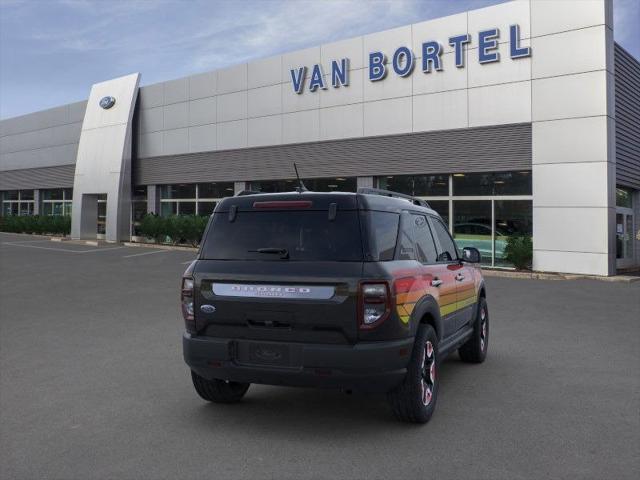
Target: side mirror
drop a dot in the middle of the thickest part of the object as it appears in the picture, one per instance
(471, 255)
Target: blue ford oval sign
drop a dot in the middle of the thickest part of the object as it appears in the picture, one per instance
(107, 102)
(208, 308)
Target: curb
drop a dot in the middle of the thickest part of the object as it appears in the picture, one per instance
(557, 276)
(161, 247)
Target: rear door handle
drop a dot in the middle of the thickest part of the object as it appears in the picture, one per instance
(436, 282)
(459, 277)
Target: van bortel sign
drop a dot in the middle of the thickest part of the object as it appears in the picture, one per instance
(403, 60)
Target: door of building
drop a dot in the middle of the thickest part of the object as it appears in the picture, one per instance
(624, 237)
(101, 222)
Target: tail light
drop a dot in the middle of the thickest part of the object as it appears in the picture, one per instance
(186, 298)
(374, 304)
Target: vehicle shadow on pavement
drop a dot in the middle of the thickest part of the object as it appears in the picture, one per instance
(310, 413)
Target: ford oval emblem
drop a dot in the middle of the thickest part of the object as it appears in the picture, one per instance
(107, 102)
(207, 308)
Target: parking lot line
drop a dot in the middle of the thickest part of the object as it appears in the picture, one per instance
(145, 253)
(15, 244)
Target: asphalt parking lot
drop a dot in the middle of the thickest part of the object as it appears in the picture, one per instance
(93, 385)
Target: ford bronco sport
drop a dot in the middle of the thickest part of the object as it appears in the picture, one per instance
(357, 291)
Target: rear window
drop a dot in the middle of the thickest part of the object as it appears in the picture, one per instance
(304, 235)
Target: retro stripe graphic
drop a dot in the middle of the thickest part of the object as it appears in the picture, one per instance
(411, 285)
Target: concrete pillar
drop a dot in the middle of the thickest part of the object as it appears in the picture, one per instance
(240, 186)
(365, 182)
(153, 199)
(36, 202)
(573, 136)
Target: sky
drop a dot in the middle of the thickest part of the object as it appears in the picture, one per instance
(52, 51)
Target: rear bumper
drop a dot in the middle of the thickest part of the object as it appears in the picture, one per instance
(369, 367)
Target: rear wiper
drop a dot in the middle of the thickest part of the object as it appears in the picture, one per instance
(283, 252)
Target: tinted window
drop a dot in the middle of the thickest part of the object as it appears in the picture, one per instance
(305, 235)
(383, 228)
(426, 248)
(448, 249)
(406, 241)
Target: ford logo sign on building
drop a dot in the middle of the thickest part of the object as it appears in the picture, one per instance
(107, 102)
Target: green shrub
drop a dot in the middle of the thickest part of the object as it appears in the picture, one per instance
(519, 251)
(175, 229)
(38, 224)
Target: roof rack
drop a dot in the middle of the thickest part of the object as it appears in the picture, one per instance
(389, 193)
(242, 193)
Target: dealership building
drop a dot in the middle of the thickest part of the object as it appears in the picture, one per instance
(522, 118)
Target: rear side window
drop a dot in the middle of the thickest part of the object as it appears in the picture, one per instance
(383, 234)
(426, 248)
(448, 250)
(305, 235)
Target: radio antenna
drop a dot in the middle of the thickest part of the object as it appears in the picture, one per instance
(300, 188)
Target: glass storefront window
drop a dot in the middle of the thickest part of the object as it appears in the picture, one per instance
(206, 208)
(187, 208)
(492, 183)
(512, 218)
(442, 207)
(416, 185)
(338, 184)
(53, 194)
(11, 195)
(623, 198)
(472, 226)
(274, 186)
(215, 190)
(168, 208)
(178, 191)
(26, 194)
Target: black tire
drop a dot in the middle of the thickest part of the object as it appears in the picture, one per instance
(219, 391)
(475, 349)
(414, 400)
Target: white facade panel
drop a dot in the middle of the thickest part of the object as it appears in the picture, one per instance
(571, 229)
(344, 95)
(203, 111)
(301, 127)
(203, 85)
(449, 78)
(571, 96)
(500, 104)
(150, 145)
(565, 184)
(203, 138)
(152, 95)
(232, 134)
(341, 122)
(292, 102)
(551, 16)
(232, 106)
(572, 262)
(575, 51)
(264, 101)
(440, 111)
(264, 72)
(439, 30)
(300, 58)
(352, 48)
(151, 119)
(175, 141)
(176, 115)
(570, 140)
(264, 131)
(232, 79)
(507, 70)
(386, 42)
(176, 91)
(378, 115)
(393, 86)
(501, 16)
